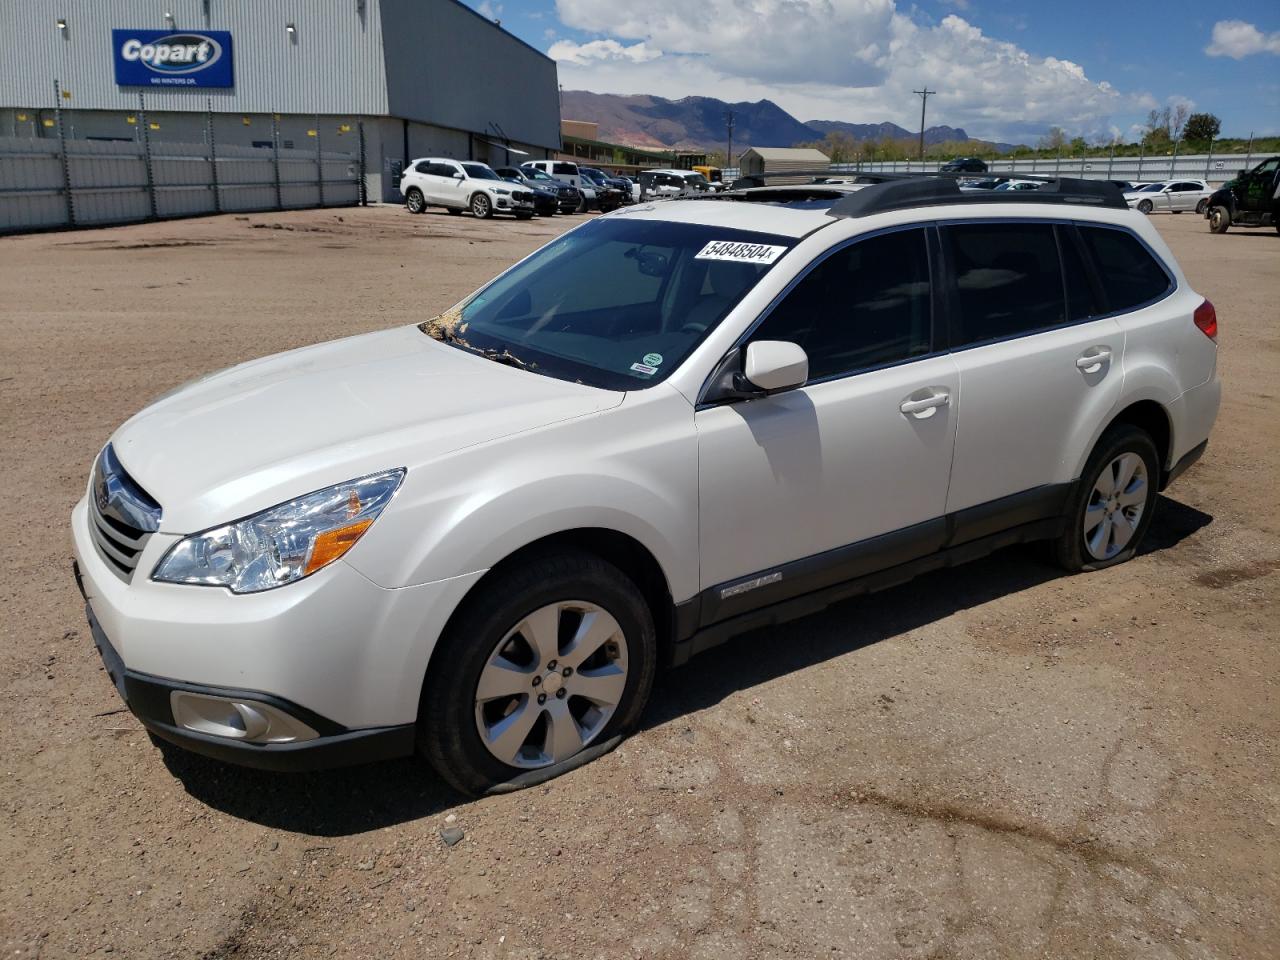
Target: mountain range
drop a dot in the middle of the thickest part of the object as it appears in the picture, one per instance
(698, 123)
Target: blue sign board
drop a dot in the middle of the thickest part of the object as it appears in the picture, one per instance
(166, 58)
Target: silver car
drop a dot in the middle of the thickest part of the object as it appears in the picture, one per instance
(1172, 196)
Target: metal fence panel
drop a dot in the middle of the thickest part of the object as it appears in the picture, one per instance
(117, 182)
(1202, 166)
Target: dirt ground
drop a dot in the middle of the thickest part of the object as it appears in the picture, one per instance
(994, 761)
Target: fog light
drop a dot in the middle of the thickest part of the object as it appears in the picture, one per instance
(247, 720)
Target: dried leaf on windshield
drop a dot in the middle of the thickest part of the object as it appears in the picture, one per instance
(446, 327)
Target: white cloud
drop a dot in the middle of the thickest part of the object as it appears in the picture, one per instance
(854, 60)
(489, 10)
(1238, 39)
(567, 51)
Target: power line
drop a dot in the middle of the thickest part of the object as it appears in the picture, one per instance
(924, 100)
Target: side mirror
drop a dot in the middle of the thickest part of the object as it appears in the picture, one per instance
(459, 176)
(775, 365)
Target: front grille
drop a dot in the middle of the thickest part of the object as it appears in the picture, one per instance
(521, 196)
(122, 516)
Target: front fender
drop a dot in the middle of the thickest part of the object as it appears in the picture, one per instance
(631, 469)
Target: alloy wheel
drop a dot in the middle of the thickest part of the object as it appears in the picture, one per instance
(414, 201)
(1116, 505)
(1145, 206)
(551, 684)
(480, 205)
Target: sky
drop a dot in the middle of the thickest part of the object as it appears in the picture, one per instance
(1002, 70)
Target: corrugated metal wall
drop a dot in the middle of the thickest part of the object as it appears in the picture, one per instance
(110, 182)
(448, 66)
(332, 63)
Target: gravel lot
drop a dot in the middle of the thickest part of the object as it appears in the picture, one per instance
(995, 761)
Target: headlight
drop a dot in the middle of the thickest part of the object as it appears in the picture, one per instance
(502, 190)
(284, 543)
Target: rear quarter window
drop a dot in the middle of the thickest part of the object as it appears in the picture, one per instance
(1130, 275)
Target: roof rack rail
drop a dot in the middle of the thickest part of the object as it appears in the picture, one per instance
(927, 189)
(755, 180)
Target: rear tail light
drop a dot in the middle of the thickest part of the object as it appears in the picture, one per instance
(1206, 318)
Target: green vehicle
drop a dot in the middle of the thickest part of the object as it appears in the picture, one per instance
(1252, 199)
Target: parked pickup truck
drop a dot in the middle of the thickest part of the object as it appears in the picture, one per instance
(1252, 199)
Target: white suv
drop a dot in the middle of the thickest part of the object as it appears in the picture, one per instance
(479, 537)
(459, 185)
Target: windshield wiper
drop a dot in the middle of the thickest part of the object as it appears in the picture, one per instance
(504, 357)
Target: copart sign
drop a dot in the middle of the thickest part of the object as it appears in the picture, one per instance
(159, 58)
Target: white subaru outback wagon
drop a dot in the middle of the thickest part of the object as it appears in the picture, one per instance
(479, 537)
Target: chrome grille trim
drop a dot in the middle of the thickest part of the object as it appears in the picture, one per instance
(122, 516)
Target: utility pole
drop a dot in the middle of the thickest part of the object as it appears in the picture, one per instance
(728, 122)
(924, 100)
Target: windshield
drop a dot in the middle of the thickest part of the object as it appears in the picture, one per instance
(478, 171)
(540, 175)
(616, 304)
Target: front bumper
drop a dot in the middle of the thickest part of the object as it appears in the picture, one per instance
(150, 700)
(335, 643)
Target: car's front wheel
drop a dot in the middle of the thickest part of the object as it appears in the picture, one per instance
(414, 201)
(1111, 509)
(543, 662)
(1144, 206)
(1200, 207)
(1219, 219)
(481, 207)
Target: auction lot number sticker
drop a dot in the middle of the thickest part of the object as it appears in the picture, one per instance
(740, 252)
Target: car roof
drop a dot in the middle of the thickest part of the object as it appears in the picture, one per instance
(799, 209)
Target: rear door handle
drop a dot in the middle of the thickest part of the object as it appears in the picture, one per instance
(922, 403)
(1091, 360)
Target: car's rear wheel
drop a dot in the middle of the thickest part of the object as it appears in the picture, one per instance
(414, 201)
(481, 208)
(1112, 506)
(1219, 219)
(543, 662)
(1144, 206)
(1201, 206)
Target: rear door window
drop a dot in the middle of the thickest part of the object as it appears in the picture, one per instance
(1006, 280)
(1131, 277)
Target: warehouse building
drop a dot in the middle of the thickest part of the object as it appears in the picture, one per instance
(415, 77)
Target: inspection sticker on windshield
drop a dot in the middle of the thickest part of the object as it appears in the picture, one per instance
(644, 368)
(740, 252)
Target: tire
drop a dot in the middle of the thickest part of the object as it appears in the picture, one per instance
(481, 206)
(552, 588)
(454, 211)
(1219, 219)
(1144, 206)
(1201, 207)
(1129, 453)
(524, 216)
(583, 206)
(414, 201)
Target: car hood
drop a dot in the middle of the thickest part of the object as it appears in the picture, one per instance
(267, 431)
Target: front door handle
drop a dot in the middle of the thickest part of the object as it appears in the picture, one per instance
(1091, 360)
(923, 403)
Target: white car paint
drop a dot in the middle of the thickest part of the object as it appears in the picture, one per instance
(498, 458)
(1170, 195)
(446, 182)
